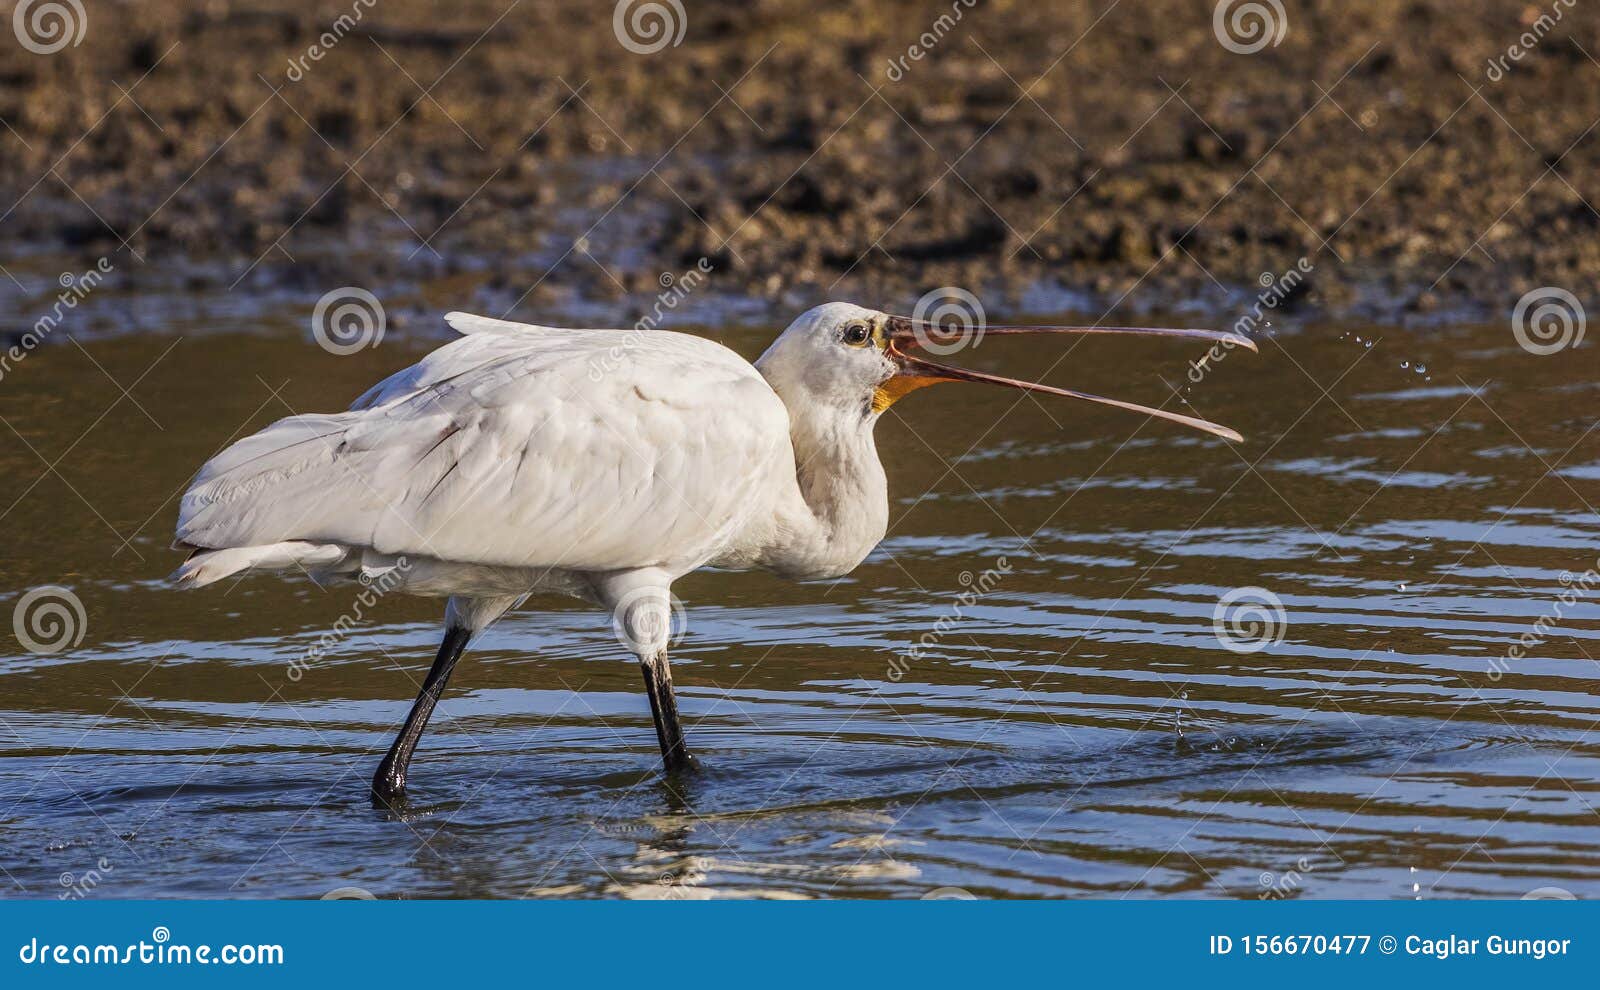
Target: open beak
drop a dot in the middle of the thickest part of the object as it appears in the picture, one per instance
(906, 334)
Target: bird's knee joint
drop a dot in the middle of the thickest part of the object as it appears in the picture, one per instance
(645, 620)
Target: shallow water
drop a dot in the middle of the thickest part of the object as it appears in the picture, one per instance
(1074, 726)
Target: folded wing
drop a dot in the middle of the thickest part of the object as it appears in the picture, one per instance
(515, 446)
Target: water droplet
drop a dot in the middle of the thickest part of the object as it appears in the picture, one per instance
(1421, 367)
(1405, 364)
(1402, 586)
(1184, 695)
(1366, 343)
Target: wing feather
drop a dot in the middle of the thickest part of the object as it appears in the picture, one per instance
(516, 446)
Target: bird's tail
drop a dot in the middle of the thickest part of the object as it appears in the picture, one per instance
(209, 566)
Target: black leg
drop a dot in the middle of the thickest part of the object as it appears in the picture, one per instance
(664, 706)
(390, 780)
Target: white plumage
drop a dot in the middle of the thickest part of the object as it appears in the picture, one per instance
(600, 463)
(473, 455)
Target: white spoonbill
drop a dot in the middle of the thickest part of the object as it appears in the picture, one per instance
(604, 464)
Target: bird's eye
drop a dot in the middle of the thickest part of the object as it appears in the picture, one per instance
(857, 334)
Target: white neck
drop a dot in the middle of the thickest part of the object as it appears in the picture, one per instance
(842, 509)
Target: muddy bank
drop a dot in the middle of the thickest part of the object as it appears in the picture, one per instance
(527, 158)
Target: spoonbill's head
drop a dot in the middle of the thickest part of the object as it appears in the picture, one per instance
(847, 357)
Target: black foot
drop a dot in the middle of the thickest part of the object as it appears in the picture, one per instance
(686, 763)
(389, 783)
(388, 786)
